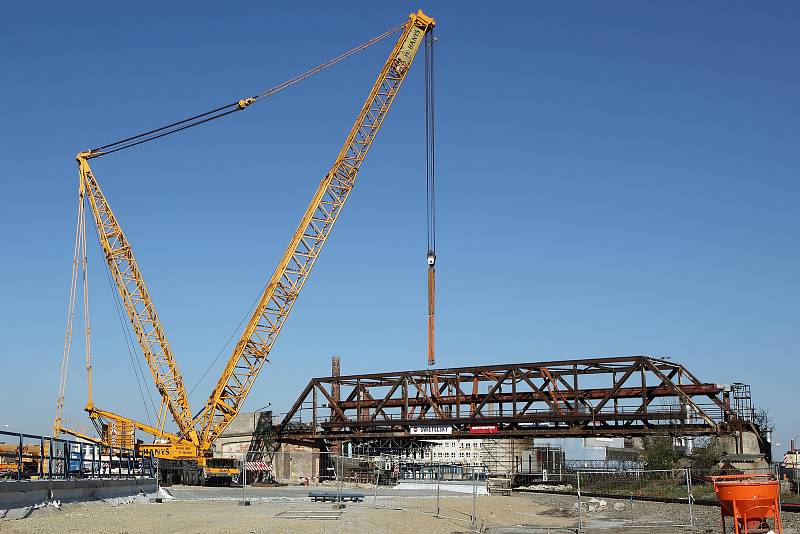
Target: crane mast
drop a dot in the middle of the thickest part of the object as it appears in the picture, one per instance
(138, 304)
(280, 294)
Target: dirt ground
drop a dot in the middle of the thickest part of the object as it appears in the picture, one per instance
(218, 517)
(524, 513)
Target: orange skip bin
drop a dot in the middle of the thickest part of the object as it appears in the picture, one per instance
(749, 500)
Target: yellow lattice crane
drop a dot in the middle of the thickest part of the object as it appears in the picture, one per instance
(196, 434)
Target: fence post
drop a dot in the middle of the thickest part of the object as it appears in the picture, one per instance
(580, 507)
(41, 457)
(80, 461)
(244, 478)
(375, 494)
(19, 459)
(50, 460)
(779, 519)
(341, 476)
(689, 494)
(438, 484)
(474, 504)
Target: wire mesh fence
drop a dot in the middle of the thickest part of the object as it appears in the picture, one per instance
(467, 495)
(619, 496)
(443, 490)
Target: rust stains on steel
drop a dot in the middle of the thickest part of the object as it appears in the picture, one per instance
(620, 396)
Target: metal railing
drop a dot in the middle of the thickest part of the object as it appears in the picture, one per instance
(31, 456)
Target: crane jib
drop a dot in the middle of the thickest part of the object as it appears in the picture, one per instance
(410, 46)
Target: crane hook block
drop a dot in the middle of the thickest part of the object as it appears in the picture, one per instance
(243, 103)
(431, 259)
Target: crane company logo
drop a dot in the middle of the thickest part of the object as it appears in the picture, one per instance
(437, 429)
(410, 45)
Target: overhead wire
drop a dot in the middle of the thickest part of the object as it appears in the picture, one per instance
(228, 109)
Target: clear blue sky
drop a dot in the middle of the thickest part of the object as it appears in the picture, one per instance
(614, 178)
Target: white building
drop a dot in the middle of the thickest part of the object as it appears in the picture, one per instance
(457, 451)
(449, 451)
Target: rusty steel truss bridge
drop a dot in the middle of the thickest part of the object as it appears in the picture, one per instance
(597, 397)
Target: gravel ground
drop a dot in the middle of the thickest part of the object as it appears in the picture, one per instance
(189, 517)
(650, 514)
(521, 513)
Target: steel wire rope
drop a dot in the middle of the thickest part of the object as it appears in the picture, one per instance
(236, 330)
(430, 195)
(135, 362)
(430, 143)
(70, 317)
(227, 109)
(129, 344)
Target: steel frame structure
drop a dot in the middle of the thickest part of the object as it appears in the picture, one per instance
(605, 397)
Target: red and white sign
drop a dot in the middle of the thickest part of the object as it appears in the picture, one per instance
(483, 429)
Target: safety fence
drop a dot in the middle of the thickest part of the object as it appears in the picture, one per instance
(468, 496)
(638, 498)
(791, 474)
(450, 492)
(31, 456)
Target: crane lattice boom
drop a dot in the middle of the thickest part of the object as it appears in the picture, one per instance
(138, 304)
(292, 271)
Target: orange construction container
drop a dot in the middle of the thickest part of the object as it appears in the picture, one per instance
(749, 500)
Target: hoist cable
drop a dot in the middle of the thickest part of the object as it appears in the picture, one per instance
(227, 109)
(135, 362)
(430, 194)
(131, 353)
(128, 335)
(430, 143)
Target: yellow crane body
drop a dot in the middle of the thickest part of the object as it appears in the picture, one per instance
(196, 434)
